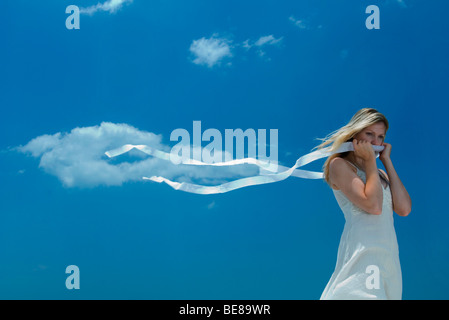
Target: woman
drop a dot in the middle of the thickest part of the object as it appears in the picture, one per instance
(368, 257)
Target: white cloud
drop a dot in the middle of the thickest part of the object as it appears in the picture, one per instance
(262, 41)
(110, 6)
(77, 158)
(246, 44)
(265, 41)
(210, 51)
(270, 40)
(299, 23)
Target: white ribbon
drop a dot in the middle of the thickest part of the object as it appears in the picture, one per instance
(243, 182)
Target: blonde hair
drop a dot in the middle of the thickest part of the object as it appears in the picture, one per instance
(362, 119)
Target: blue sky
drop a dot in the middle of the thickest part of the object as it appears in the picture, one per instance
(138, 71)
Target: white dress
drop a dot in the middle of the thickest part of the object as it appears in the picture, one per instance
(368, 240)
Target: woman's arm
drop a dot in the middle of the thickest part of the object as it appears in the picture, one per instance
(402, 203)
(373, 187)
(367, 197)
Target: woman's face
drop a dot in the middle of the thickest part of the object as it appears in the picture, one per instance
(375, 134)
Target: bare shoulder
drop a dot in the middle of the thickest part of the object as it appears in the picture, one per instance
(338, 164)
(339, 169)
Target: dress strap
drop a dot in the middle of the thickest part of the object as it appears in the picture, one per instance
(352, 164)
(380, 172)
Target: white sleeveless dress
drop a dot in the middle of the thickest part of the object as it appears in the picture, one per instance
(368, 240)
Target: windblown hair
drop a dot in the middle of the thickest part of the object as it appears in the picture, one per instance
(362, 119)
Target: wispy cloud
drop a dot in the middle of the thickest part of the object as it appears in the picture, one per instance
(78, 158)
(304, 24)
(297, 22)
(266, 41)
(214, 50)
(110, 6)
(210, 51)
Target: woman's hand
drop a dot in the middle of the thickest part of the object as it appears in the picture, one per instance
(386, 152)
(363, 150)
